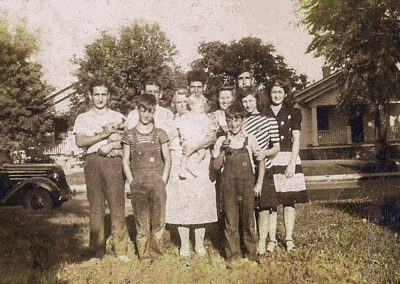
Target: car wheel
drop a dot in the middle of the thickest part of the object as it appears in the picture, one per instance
(38, 198)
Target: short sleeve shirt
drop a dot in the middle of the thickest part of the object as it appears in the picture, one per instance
(266, 131)
(288, 119)
(128, 138)
(90, 124)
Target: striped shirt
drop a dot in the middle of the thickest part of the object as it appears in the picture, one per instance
(266, 131)
(128, 138)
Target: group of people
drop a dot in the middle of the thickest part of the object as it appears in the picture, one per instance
(190, 167)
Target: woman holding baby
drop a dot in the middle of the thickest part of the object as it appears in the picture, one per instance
(191, 199)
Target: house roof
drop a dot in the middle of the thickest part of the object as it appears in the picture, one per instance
(317, 89)
(62, 94)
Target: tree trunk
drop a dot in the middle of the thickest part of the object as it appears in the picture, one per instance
(381, 128)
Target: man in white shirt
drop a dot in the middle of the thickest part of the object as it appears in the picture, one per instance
(162, 117)
(96, 131)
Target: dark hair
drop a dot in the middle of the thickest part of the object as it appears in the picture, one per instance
(226, 88)
(97, 83)
(196, 75)
(288, 101)
(146, 101)
(250, 91)
(242, 69)
(236, 110)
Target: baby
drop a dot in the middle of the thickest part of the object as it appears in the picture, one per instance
(193, 126)
(114, 140)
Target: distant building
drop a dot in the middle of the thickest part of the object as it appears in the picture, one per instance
(64, 140)
(324, 126)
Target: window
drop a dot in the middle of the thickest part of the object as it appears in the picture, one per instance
(323, 117)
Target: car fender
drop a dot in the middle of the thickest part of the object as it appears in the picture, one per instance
(40, 181)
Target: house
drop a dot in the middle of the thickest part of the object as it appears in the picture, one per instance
(64, 140)
(325, 127)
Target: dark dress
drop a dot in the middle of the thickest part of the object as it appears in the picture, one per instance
(266, 131)
(292, 190)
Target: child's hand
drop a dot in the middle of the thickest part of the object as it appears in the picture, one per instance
(225, 143)
(257, 189)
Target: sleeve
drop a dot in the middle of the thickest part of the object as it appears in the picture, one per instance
(296, 119)
(79, 125)
(126, 137)
(162, 136)
(273, 130)
(217, 147)
(132, 119)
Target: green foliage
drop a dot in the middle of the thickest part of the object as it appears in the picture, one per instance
(222, 61)
(141, 52)
(26, 116)
(360, 38)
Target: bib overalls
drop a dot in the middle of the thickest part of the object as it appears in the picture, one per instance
(238, 201)
(148, 195)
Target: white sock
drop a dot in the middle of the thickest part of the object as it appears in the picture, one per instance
(289, 214)
(199, 234)
(184, 236)
(273, 216)
(263, 220)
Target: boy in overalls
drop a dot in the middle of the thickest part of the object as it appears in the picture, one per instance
(146, 164)
(234, 153)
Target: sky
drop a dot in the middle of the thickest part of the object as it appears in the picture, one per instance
(65, 27)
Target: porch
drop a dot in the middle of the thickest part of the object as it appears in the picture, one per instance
(344, 136)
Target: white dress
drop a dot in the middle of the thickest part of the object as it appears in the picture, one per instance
(191, 200)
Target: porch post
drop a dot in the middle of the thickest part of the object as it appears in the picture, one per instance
(348, 135)
(314, 126)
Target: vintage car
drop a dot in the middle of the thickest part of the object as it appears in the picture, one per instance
(35, 186)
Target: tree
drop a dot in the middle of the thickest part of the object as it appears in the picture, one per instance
(222, 62)
(26, 115)
(359, 37)
(141, 52)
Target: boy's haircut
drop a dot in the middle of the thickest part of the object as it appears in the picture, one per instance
(197, 99)
(196, 75)
(226, 88)
(147, 101)
(236, 110)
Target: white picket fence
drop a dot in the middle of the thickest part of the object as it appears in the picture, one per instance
(66, 147)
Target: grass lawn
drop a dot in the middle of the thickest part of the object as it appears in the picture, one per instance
(337, 242)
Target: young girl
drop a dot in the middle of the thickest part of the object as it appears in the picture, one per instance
(189, 135)
(288, 176)
(266, 130)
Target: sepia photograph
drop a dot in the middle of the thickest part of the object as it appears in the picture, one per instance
(199, 141)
